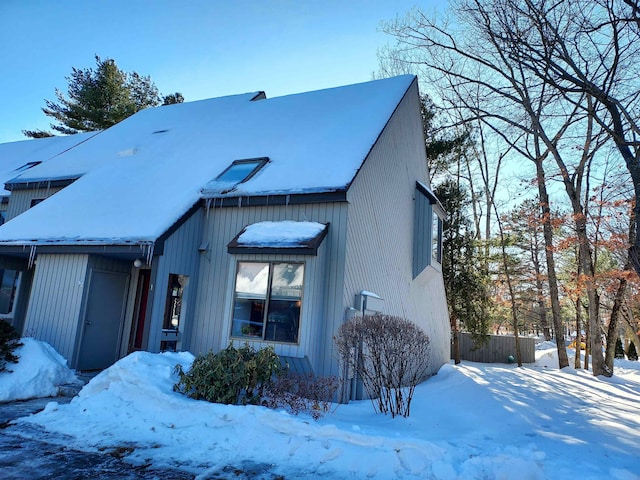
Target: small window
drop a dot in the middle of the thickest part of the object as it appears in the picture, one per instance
(8, 289)
(35, 201)
(436, 238)
(241, 170)
(174, 310)
(267, 301)
(427, 230)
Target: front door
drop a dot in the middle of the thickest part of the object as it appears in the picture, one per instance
(103, 319)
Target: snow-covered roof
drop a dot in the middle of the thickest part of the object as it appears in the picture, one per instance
(140, 176)
(16, 158)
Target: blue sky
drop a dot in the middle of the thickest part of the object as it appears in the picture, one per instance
(200, 48)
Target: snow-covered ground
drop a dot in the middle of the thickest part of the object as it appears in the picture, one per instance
(472, 421)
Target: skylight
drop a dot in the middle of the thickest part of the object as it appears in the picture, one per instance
(27, 166)
(241, 170)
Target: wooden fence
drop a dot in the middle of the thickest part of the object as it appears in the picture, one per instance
(497, 349)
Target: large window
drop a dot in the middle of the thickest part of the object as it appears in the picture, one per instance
(267, 301)
(8, 288)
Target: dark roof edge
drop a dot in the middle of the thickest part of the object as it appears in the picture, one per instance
(266, 200)
(30, 184)
(126, 251)
(273, 250)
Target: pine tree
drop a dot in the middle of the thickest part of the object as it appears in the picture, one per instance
(632, 354)
(465, 283)
(619, 349)
(99, 98)
(9, 341)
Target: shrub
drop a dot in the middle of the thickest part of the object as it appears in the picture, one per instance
(389, 354)
(232, 376)
(632, 354)
(9, 341)
(299, 393)
(619, 352)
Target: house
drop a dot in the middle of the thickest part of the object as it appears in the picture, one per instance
(240, 218)
(15, 158)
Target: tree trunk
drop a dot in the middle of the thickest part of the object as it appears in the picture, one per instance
(587, 345)
(586, 263)
(612, 329)
(547, 230)
(456, 340)
(576, 362)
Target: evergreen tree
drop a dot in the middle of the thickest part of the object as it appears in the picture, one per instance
(9, 341)
(465, 283)
(619, 353)
(442, 147)
(99, 98)
(172, 98)
(632, 354)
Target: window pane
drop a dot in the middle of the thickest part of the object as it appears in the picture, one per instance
(435, 240)
(439, 240)
(173, 305)
(252, 279)
(252, 282)
(8, 290)
(238, 172)
(283, 318)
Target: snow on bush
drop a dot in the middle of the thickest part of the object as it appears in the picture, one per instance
(39, 372)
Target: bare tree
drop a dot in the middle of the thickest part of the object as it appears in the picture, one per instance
(547, 72)
(475, 74)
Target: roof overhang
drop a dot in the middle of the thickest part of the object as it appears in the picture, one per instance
(31, 184)
(277, 199)
(125, 252)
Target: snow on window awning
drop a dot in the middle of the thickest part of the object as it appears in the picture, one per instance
(280, 237)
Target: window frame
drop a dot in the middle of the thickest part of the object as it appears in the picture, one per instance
(15, 291)
(267, 301)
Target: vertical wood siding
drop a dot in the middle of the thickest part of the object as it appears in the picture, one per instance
(57, 295)
(20, 200)
(180, 256)
(379, 253)
(323, 277)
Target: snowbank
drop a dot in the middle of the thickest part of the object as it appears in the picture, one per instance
(470, 421)
(38, 373)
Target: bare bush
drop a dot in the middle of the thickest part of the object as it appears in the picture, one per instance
(299, 393)
(389, 354)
